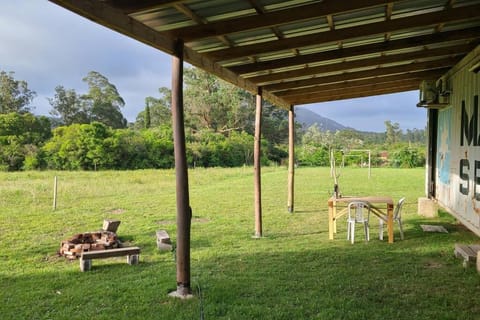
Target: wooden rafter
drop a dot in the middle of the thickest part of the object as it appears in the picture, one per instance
(336, 67)
(199, 20)
(261, 11)
(353, 94)
(422, 75)
(271, 19)
(429, 65)
(356, 51)
(404, 46)
(420, 20)
(388, 16)
(130, 7)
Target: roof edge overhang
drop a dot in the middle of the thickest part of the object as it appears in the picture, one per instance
(115, 19)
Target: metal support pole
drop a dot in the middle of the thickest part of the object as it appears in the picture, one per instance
(432, 128)
(291, 158)
(184, 212)
(257, 165)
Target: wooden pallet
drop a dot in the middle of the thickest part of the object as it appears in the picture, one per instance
(468, 252)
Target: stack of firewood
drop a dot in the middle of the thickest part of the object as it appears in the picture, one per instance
(73, 247)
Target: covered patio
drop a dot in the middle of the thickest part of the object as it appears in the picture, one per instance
(291, 53)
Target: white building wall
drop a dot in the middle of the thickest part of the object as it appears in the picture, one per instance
(458, 144)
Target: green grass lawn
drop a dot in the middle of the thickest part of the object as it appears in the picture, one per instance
(294, 272)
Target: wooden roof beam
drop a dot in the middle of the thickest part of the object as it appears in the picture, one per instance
(261, 11)
(372, 86)
(384, 71)
(421, 20)
(335, 67)
(199, 20)
(422, 75)
(129, 7)
(388, 16)
(353, 94)
(271, 19)
(356, 51)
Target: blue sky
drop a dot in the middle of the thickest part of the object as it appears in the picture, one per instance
(47, 46)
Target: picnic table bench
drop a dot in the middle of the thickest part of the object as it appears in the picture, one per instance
(86, 258)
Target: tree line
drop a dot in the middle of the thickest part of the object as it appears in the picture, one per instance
(87, 131)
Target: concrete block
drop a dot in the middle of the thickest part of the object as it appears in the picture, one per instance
(427, 208)
(163, 241)
(111, 225)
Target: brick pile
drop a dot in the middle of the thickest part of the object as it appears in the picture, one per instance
(73, 247)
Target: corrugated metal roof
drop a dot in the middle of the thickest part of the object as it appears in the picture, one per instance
(289, 46)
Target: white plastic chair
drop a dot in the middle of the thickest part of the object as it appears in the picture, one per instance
(397, 217)
(357, 214)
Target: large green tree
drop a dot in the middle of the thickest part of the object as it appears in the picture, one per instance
(211, 103)
(15, 96)
(157, 111)
(392, 132)
(68, 107)
(103, 102)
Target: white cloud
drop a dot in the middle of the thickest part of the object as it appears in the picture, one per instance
(47, 46)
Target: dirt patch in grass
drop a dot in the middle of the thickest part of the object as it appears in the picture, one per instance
(116, 211)
(433, 265)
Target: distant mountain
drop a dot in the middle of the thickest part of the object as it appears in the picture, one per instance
(307, 118)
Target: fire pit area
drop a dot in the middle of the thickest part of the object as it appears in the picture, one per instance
(73, 247)
(97, 245)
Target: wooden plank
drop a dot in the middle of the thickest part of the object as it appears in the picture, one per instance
(129, 7)
(342, 90)
(118, 252)
(272, 19)
(351, 95)
(468, 252)
(421, 20)
(422, 75)
(362, 63)
(383, 71)
(343, 53)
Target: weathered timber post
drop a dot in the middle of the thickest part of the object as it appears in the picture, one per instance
(55, 182)
(184, 212)
(291, 158)
(257, 166)
(369, 164)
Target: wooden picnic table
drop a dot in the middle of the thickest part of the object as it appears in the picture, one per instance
(381, 206)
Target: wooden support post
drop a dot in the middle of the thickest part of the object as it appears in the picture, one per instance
(257, 165)
(369, 164)
(184, 212)
(55, 193)
(291, 158)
